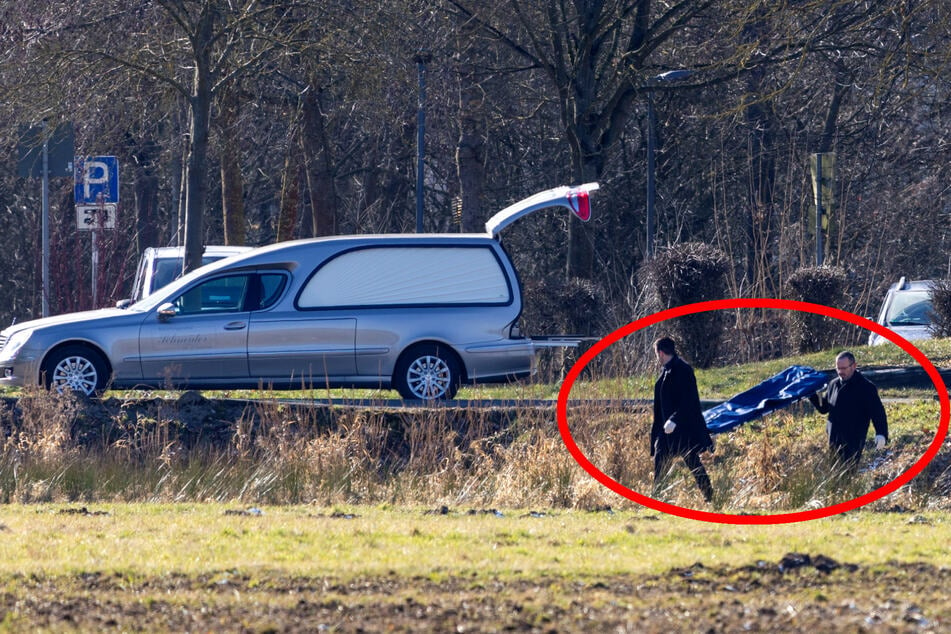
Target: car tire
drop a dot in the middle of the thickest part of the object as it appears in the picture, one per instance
(78, 368)
(428, 372)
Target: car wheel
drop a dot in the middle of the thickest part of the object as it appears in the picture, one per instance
(427, 373)
(78, 368)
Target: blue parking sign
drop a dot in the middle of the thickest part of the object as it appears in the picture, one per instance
(96, 180)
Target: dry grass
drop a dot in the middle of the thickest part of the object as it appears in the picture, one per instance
(59, 448)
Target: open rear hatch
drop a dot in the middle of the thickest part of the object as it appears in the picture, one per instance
(577, 200)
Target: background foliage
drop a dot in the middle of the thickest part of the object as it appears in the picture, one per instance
(684, 274)
(819, 285)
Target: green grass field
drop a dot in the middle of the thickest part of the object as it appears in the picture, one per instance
(227, 567)
(353, 542)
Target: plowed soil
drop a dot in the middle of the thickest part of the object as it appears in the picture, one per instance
(801, 593)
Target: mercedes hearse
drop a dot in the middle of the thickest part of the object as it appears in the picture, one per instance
(419, 313)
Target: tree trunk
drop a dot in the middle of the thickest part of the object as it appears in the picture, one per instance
(470, 152)
(146, 196)
(290, 189)
(760, 200)
(580, 260)
(232, 186)
(200, 102)
(319, 165)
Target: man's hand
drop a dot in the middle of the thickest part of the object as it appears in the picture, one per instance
(669, 427)
(879, 441)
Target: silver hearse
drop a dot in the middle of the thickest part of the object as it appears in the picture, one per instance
(419, 313)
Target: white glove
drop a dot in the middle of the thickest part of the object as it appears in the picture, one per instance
(828, 428)
(879, 441)
(669, 427)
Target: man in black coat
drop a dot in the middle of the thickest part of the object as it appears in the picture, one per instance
(851, 401)
(679, 428)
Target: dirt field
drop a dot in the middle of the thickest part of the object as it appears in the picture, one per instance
(797, 594)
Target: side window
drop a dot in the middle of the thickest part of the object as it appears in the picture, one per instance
(218, 295)
(270, 288)
(408, 276)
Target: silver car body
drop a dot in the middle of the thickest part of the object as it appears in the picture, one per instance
(907, 311)
(418, 312)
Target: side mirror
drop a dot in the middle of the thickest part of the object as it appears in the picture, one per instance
(166, 311)
(123, 303)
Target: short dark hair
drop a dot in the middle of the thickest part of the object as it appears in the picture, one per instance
(848, 356)
(665, 345)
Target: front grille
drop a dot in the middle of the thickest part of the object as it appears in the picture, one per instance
(3, 343)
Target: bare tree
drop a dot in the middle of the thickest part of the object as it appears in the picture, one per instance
(595, 55)
(232, 187)
(199, 48)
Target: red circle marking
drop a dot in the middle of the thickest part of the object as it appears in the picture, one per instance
(726, 518)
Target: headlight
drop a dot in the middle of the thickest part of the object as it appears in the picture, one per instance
(14, 343)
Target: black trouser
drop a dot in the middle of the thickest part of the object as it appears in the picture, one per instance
(845, 456)
(663, 457)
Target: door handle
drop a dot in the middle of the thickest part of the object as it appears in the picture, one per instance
(236, 325)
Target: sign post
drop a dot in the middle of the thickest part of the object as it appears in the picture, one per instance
(822, 171)
(44, 152)
(97, 200)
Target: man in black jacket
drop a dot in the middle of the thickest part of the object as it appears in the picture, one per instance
(851, 401)
(679, 428)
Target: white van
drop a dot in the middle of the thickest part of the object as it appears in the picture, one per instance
(159, 266)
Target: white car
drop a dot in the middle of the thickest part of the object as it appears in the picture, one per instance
(160, 266)
(906, 311)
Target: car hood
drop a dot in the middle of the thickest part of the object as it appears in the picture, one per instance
(69, 319)
(911, 333)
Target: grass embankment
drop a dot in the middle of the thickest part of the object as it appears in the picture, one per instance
(61, 449)
(271, 454)
(723, 382)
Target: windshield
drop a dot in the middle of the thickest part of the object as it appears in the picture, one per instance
(161, 295)
(909, 308)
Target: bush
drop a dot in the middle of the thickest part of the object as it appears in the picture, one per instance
(685, 274)
(824, 285)
(941, 300)
(554, 306)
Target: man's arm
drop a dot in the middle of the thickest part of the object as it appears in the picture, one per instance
(819, 401)
(686, 396)
(877, 413)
